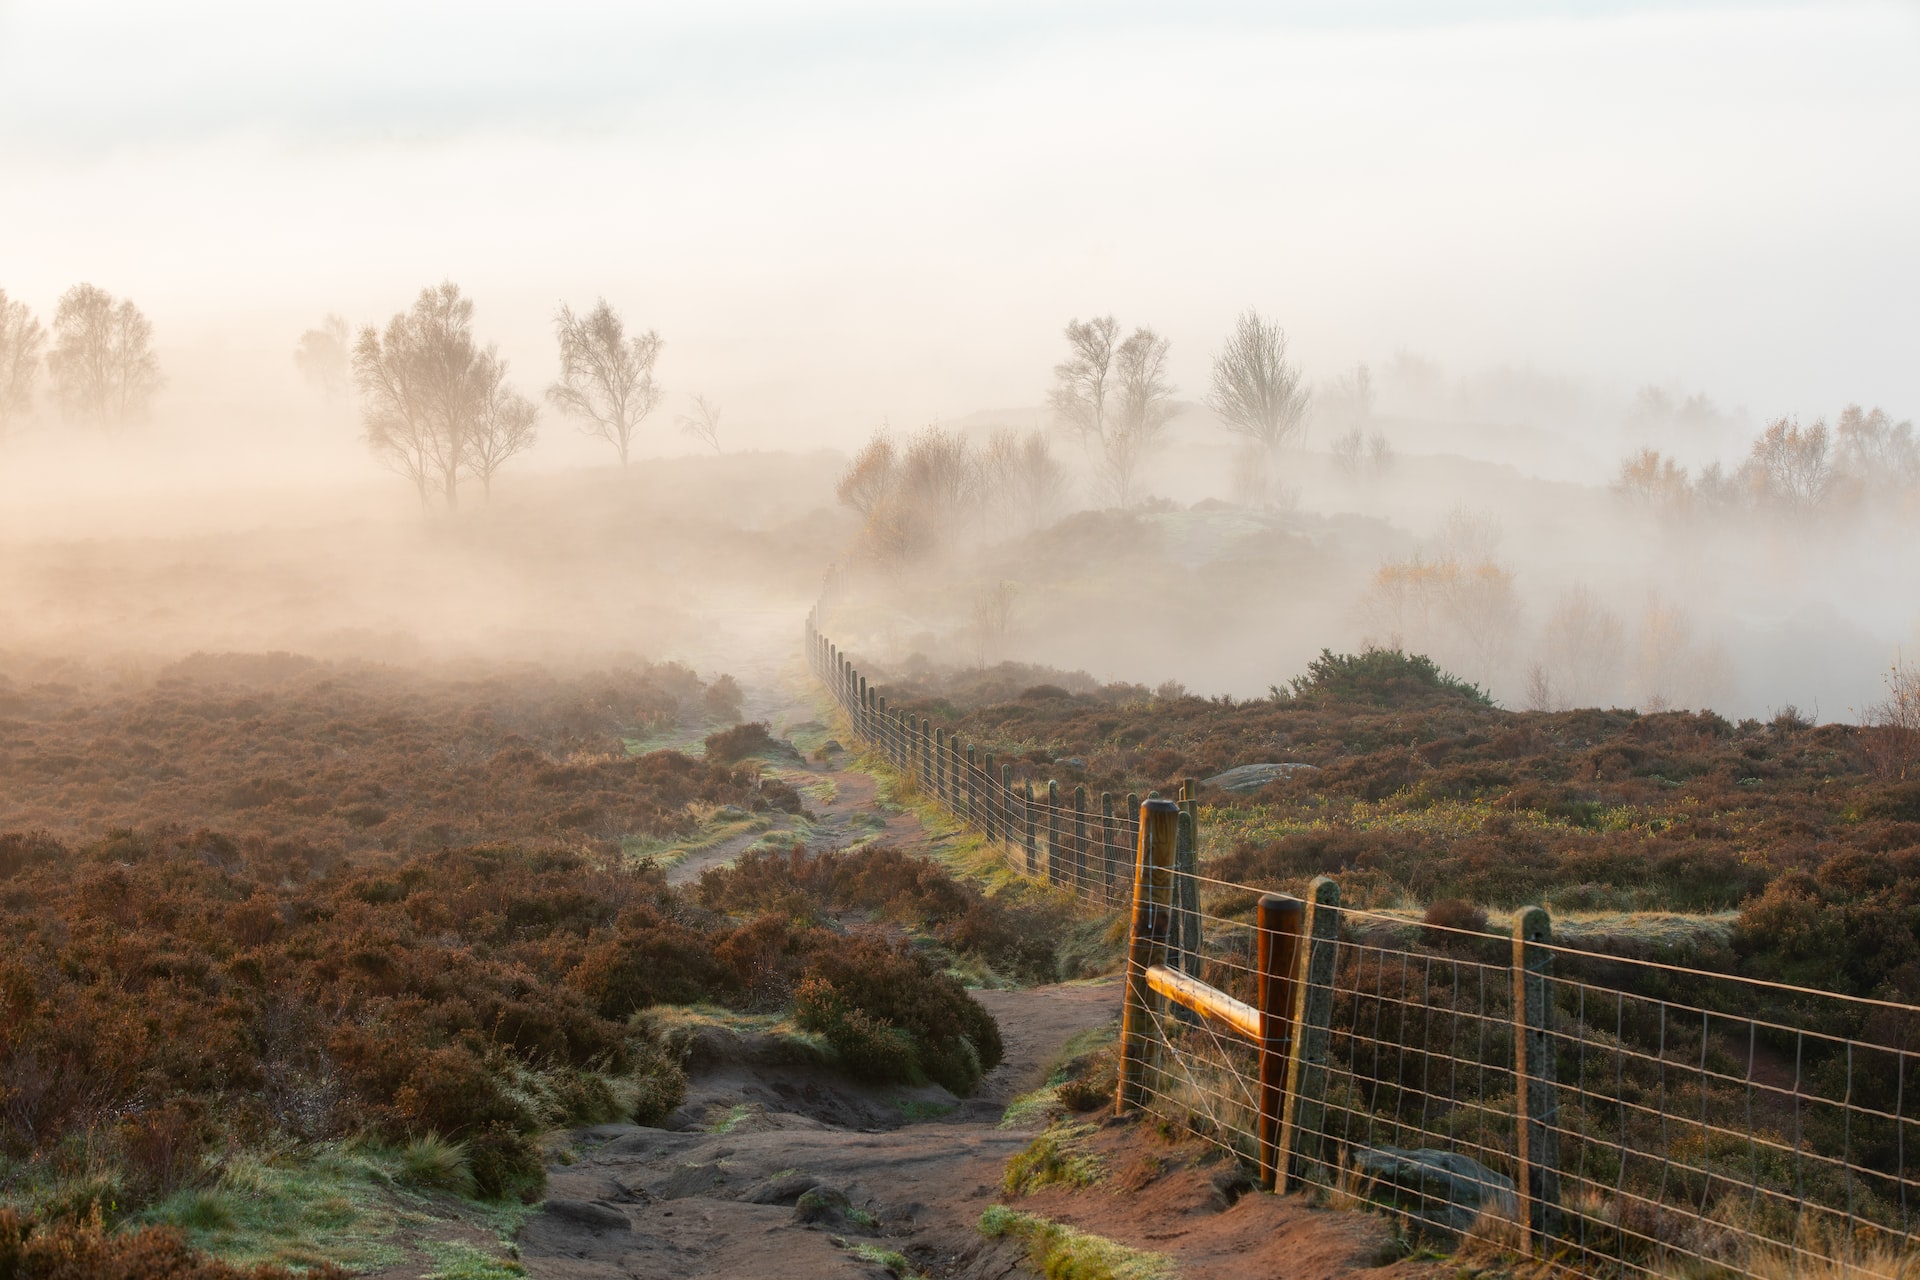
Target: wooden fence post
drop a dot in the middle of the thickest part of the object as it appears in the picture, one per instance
(1536, 1100)
(973, 791)
(1028, 841)
(1108, 872)
(1186, 893)
(1055, 869)
(1146, 946)
(1080, 839)
(1279, 919)
(878, 738)
(955, 758)
(940, 764)
(987, 809)
(1131, 862)
(1303, 1122)
(1006, 805)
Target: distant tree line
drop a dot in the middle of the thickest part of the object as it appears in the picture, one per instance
(436, 407)
(100, 366)
(1864, 461)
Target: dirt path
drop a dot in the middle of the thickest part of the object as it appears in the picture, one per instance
(785, 1170)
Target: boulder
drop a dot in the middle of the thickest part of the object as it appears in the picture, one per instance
(1252, 777)
(594, 1215)
(1443, 1188)
(785, 1189)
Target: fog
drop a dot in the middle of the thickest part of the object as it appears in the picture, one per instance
(1554, 241)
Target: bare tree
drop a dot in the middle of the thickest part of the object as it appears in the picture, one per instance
(1022, 479)
(1894, 750)
(422, 388)
(1082, 382)
(992, 609)
(21, 339)
(1348, 400)
(505, 422)
(322, 357)
(605, 376)
(1651, 479)
(1790, 466)
(1255, 391)
(1584, 645)
(1141, 416)
(703, 423)
(102, 362)
(871, 475)
(939, 475)
(1877, 454)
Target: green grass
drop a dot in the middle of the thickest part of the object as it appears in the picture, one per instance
(300, 1207)
(1055, 1157)
(895, 1263)
(677, 1025)
(458, 1260)
(1061, 1253)
(342, 1202)
(670, 853)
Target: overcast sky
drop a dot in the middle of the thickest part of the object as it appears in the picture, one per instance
(837, 212)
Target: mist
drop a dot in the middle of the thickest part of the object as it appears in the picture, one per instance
(1553, 241)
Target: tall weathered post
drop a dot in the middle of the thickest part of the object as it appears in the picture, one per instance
(973, 791)
(1079, 839)
(1536, 1099)
(1187, 879)
(1108, 852)
(1278, 922)
(1304, 1118)
(992, 821)
(1029, 840)
(1006, 804)
(1056, 865)
(1146, 946)
(1132, 841)
(940, 764)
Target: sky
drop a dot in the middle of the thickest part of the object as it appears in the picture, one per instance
(837, 214)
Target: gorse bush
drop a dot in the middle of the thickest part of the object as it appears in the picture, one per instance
(1384, 677)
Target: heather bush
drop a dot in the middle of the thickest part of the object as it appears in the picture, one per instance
(730, 746)
(34, 1249)
(893, 1016)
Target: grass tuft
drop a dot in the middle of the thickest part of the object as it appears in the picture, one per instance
(1061, 1253)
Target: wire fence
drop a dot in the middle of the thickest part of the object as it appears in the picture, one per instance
(1608, 1114)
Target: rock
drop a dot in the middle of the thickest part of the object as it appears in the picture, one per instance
(829, 1207)
(592, 1214)
(781, 1190)
(1251, 777)
(832, 747)
(729, 812)
(1444, 1188)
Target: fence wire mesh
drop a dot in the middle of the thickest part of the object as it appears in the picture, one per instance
(1685, 1123)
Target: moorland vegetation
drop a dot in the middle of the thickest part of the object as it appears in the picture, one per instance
(266, 937)
(1807, 836)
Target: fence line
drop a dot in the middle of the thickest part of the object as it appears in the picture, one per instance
(1610, 1114)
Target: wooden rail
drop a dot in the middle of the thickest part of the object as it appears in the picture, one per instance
(1205, 1000)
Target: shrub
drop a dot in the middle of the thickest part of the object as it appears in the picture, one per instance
(730, 746)
(893, 1012)
(506, 1165)
(432, 1161)
(1447, 918)
(1385, 677)
(31, 1249)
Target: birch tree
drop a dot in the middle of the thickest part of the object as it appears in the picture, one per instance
(606, 378)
